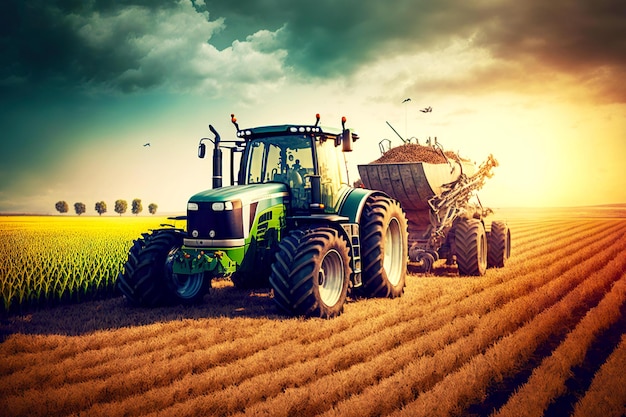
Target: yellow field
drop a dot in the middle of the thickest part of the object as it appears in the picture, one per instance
(49, 259)
(546, 335)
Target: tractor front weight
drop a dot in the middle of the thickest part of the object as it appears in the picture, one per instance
(193, 261)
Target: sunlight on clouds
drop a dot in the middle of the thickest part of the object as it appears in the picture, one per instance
(171, 48)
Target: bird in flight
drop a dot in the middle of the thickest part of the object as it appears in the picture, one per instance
(406, 99)
(147, 144)
(427, 110)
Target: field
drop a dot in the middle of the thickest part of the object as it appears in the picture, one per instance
(546, 335)
(54, 259)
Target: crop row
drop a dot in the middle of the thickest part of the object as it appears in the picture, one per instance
(442, 348)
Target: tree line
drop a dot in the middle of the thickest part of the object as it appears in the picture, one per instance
(101, 207)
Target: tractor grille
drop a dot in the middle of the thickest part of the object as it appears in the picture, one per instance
(205, 223)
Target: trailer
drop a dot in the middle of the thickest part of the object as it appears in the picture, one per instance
(442, 222)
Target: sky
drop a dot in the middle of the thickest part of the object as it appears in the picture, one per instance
(84, 84)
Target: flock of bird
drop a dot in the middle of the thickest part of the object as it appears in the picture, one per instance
(428, 109)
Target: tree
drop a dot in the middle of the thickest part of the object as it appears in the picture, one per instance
(62, 206)
(152, 208)
(101, 207)
(79, 208)
(137, 207)
(121, 206)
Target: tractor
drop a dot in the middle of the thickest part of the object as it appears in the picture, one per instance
(289, 220)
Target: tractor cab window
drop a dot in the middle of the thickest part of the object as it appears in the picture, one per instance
(332, 172)
(286, 159)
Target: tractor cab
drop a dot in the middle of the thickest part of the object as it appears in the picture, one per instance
(308, 159)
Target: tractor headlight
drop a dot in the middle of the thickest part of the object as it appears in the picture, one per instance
(192, 206)
(222, 206)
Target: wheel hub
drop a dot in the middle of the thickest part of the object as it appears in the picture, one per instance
(330, 278)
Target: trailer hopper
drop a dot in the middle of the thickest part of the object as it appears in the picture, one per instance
(434, 196)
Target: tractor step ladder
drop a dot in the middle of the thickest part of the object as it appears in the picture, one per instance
(352, 230)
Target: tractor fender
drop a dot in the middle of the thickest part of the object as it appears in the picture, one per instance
(354, 201)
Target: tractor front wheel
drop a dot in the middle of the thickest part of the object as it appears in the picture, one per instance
(311, 273)
(147, 279)
(184, 289)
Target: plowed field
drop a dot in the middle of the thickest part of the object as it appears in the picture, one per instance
(546, 335)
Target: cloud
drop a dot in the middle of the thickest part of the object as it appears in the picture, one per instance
(138, 48)
(130, 46)
(583, 39)
(185, 45)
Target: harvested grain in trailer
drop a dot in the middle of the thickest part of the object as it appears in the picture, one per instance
(415, 153)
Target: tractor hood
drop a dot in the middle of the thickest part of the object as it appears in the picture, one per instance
(224, 216)
(245, 194)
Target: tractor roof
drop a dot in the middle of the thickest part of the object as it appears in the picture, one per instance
(261, 131)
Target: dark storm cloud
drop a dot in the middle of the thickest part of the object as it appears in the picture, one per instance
(77, 42)
(585, 39)
(564, 33)
(330, 37)
(581, 38)
(68, 41)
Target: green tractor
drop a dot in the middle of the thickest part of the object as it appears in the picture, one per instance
(289, 220)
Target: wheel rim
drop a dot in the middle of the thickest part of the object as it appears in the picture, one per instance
(185, 286)
(330, 278)
(392, 261)
(482, 252)
(507, 243)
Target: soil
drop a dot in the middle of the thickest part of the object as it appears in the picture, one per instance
(415, 153)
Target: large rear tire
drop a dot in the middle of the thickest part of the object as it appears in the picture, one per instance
(384, 248)
(471, 247)
(499, 245)
(147, 279)
(311, 273)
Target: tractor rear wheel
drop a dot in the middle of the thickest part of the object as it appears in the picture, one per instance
(384, 248)
(311, 273)
(499, 245)
(147, 279)
(471, 247)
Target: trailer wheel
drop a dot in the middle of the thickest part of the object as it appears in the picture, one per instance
(384, 247)
(499, 245)
(471, 247)
(147, 281)
(311, 273)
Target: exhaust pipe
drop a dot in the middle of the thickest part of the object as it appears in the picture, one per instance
(217, 157)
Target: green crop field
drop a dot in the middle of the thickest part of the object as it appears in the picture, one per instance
(45, 260)
(546, 335)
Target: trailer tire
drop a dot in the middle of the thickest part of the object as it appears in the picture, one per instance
(311, 273)
(147, 280)
(499, 245)
(384, 247)
(471, 247)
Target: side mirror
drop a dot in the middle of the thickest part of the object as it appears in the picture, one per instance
(346, 140)
(201, 150)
